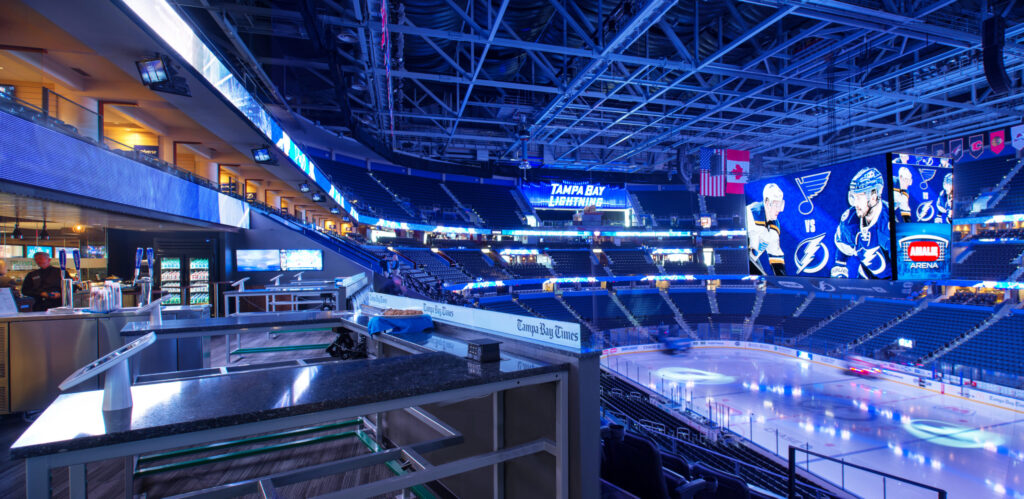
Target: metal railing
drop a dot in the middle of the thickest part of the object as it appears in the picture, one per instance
(886, 477)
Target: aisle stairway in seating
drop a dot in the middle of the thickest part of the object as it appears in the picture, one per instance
(677, 315)
(625, 311)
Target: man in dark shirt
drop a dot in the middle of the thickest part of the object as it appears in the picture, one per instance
(43, 284)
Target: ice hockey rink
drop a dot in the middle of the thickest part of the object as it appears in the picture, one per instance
(963, 446)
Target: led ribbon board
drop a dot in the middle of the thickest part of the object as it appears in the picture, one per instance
(575, 195)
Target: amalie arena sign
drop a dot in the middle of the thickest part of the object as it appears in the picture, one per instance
(575, 195)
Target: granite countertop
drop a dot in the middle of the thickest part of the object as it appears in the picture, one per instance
(76, 421)
(234, 322)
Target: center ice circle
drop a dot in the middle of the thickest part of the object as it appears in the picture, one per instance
(691, 375)
(951, 435)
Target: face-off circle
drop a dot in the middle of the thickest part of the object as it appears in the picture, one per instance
(952, 435)
(695, 376)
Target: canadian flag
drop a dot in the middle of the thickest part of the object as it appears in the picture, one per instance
(737, 170)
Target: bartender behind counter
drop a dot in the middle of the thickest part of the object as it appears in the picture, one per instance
(43, 284)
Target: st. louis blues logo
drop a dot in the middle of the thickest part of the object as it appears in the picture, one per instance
(810, 186)
(926, 176)
(811, 255)
(925, 211)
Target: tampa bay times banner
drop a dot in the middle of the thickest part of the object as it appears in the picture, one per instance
(984, 145)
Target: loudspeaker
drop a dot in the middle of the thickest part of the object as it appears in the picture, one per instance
(993, 36)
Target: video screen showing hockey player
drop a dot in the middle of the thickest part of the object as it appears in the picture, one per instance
(922, 189)
(862, 237)
(824, 222)
(763, 233)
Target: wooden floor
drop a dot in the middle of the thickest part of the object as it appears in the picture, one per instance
(106, 478)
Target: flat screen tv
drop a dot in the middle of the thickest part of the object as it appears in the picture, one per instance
(302, 259)
(30, 251)
(257, 260)
(152, 71)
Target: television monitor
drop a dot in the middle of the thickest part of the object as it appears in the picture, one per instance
(257, 260)
(7, 91)
(826, 222)
(302, 259)
(95, 252)
(263, 155)
(152, 71)
(12, 251)
(30, 251)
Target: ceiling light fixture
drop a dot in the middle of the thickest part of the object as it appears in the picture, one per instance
(16, 233)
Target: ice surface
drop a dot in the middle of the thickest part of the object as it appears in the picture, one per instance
(970, 449)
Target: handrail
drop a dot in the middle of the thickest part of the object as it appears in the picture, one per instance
(791, 485)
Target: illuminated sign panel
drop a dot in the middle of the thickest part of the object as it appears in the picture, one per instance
(575, 195)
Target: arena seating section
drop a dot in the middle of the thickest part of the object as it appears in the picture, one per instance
(663, 205)
(983, 174)
(734, 305)
(731, 261)
(693, 304)
(365, 190)
(597, 308)
(505, 305)
(630, 262)
(778, 305)
(529, 270)
(687, 453)
(692, 267)
(573, 262)
(729, 210)
(435, 265)
(929, 329)
(996, 348)
(494, 204)
(647, 307)
(545, 305)
(474, 263)
(989, 262)
(858, 321)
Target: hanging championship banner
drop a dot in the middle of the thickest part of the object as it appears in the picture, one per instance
(956, 149)
(1017, 137)
(997, 140)
(976, 145)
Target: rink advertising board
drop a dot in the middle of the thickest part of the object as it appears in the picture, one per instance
(826, 222)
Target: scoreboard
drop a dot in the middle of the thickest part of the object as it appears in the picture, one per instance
(886, 216)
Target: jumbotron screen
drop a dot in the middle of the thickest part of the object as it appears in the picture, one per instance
(827, 222)
(922, 196)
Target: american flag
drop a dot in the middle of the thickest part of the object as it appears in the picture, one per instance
(712, 173)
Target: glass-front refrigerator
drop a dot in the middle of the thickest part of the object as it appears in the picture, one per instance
(198, 281)
(170, 280)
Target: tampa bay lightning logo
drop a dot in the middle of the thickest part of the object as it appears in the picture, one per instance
(925, 211)
(926, 176)
(810, 186)
(811, 255)
(874, 261)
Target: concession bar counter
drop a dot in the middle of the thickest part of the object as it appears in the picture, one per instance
(464, 408)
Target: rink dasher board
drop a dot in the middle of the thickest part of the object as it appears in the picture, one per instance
(907, 375)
